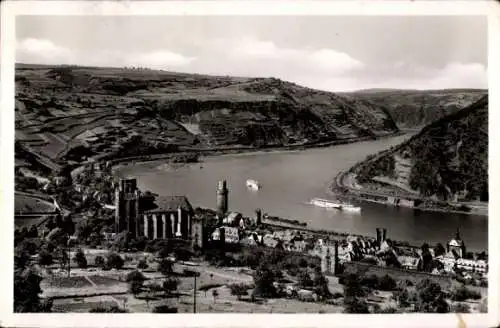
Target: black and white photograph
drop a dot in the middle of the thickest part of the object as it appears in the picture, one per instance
(301, 164)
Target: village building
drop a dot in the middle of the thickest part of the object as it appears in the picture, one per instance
(234, 219)
(226, 234)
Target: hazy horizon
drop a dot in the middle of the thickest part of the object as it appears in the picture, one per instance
(333, 53)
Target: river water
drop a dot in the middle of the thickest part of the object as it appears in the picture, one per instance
(291, 178)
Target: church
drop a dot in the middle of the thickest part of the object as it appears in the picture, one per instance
(143, 215)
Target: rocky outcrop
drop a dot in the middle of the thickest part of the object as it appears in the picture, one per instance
(447, 160)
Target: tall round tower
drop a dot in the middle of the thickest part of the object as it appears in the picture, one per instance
(222, 202)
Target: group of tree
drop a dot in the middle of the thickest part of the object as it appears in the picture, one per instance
(27, 281)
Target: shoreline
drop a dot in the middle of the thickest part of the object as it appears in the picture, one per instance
(241, 151)
(338, 188)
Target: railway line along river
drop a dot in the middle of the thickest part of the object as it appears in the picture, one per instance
(290, 179)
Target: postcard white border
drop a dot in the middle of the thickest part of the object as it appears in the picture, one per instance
(257, 7)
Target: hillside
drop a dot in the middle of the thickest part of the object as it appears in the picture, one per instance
(415, 109)
(447, 160)
(68, 114)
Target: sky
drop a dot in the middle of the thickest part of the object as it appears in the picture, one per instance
(334, 53)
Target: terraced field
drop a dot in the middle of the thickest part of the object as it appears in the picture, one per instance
(98, 110)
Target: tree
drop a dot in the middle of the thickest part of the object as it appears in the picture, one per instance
(353, 287)
(99, 261)
(45, 258)
(305, 280)
(439, 250)
(321, 286)
(68, 225)
(239, 290)
(136, 281)
(170, 286)
(26, 292)
(403, 298)
(115, 261)
(264, 278)
(21, 257)
(142, 264)
(215, 293)
(386, 283)
(355, 305)
(166, 267)
(80, 259)
(33, 232)
(431, 298)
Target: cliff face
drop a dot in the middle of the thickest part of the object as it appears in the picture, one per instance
(415, 109)
(70, 113)
(448, 159)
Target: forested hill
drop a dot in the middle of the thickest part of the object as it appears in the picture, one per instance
(447, 159)
(415, 109)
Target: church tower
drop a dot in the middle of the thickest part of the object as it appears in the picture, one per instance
(127, 207)
(222, 202)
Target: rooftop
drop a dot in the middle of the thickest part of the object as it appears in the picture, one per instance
(170, 204)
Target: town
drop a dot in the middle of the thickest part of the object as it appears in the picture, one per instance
(107, 246)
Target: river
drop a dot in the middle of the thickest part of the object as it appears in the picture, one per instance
(291, 178)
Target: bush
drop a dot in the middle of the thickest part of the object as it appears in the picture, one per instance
(164, 309)
(461, 308)
(80, 258)
(135, 275)
(166, 267)
(136, 281)
(170, 285)
(209, 286)
(387, 283)
(238, 290)
(337, 295)
(463, 293)
(142, 264)
(115, 261)
(45, 258)
(104, 309)
(99, 261)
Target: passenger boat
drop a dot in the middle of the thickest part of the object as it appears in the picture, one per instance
(253, 184)
(335, 205)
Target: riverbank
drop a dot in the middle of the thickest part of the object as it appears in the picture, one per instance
(226, 151)
(340, 187)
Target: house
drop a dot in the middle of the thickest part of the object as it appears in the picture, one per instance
(457, 245)
(234, 219)
(409, 262)
(230, 235)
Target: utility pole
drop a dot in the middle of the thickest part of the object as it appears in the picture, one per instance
(69, 256)
(194, 296)
(194, 274)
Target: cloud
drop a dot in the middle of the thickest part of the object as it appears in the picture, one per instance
(44, 51)
(456, 75)
(321, 68)
(320, 61)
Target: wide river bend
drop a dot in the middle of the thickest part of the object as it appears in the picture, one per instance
(291, 178)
